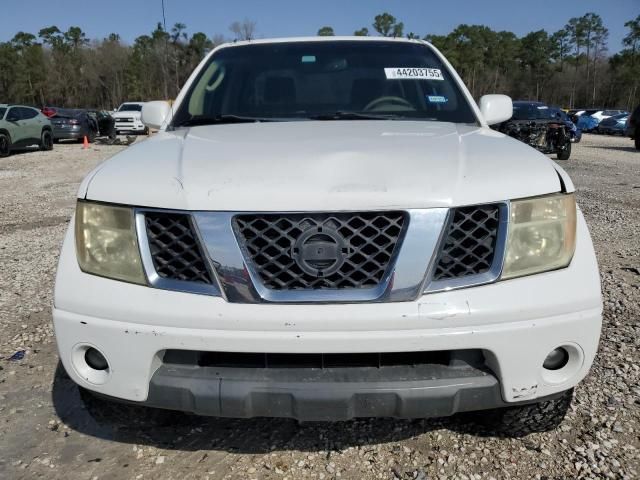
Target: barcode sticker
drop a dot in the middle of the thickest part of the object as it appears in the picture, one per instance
(419, 73)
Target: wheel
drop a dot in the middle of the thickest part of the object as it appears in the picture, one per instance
(46, 140)
(92, 135)
(145, 131)
(565, 152)
(5, 145)
(525, 419)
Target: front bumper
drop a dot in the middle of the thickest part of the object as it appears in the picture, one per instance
(515, 323)
(135, 126)
(321, 395)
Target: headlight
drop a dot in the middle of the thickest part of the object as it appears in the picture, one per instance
(542, 235)
(106, 242)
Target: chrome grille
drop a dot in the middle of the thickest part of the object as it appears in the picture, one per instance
(469, 246)
(174, 247)
(364, 245)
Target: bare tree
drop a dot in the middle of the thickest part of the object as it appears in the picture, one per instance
(575, 27)
(600, 36)
(593, 32)
(217, 39)
(244, 30)
(560, 44)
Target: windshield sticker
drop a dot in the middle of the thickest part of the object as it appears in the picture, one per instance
(437, 99)
(403, 73)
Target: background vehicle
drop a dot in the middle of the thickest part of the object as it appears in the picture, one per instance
(633, 127)
(588, 120)
(21, 126)
(574, 131)
(614, 125)
(105, 121)
(72, 124)
(576, 113)
(587, 123)
(128, 118)
(535, 124)
(602, 114)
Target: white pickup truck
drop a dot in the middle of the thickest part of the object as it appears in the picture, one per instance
(327, 228)
(128, 118)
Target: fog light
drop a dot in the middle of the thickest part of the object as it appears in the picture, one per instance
(95, 359)
(557, 359)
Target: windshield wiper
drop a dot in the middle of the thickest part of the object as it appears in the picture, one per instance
(340, 115)
(220, 119)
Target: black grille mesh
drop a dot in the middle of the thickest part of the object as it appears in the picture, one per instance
(470, 243)
(174, 247)
(313, 360)
(370, 238)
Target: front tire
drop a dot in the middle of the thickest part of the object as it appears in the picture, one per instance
(5, 145)
(565, 152)
(523, 420)
(46, 141)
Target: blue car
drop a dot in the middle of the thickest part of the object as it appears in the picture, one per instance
(615, 125)
(587, 123)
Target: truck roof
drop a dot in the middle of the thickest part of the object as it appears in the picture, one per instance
(324, 39)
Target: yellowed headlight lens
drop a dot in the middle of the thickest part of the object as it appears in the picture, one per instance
(106, 242)
(542, 235)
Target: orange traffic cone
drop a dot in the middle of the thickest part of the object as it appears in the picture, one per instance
(85, 143)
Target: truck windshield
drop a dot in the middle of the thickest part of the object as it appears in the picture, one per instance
(533, 112)
(130, 107)
(328, 80)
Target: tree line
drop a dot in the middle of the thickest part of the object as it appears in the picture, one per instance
(570, 67)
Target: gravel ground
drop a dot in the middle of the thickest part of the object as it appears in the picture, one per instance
(45, 430)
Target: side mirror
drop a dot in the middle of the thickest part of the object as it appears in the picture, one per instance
(155, 113)
(496, 108)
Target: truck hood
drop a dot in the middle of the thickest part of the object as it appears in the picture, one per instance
(127, 114)
(314, 166)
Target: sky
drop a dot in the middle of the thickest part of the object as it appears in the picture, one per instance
(283, 18)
